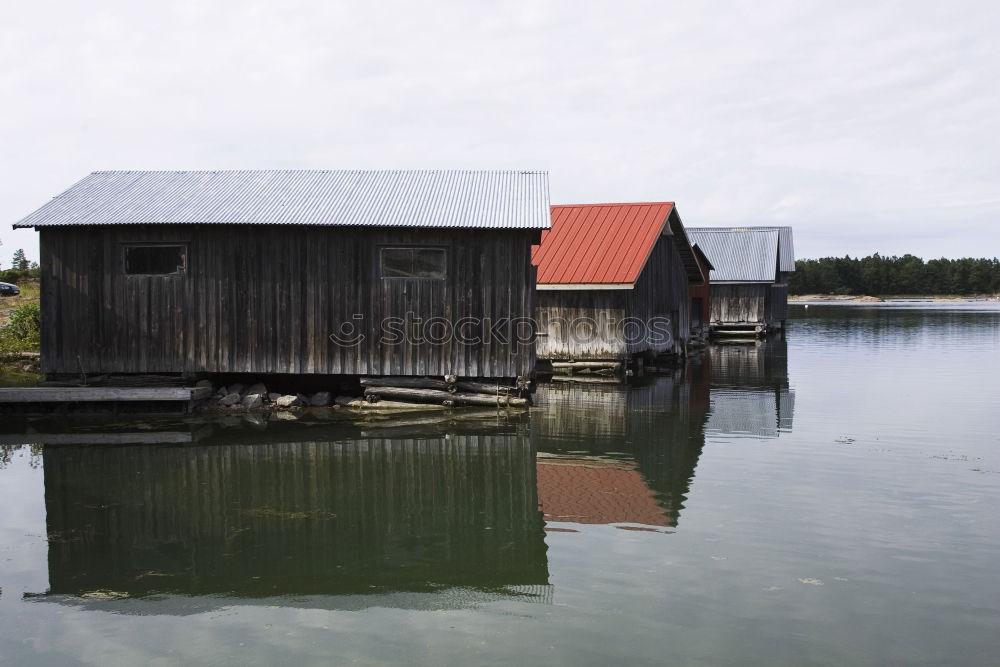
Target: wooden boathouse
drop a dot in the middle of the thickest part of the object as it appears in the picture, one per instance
(358, 273)
(749, 277)
(613, 283)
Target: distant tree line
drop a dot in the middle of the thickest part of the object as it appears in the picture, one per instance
(877, 275)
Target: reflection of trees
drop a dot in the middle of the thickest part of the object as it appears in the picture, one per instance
(339, 516)
(7, 453)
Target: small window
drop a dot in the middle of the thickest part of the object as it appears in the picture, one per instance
(155, 260)
(414, 263)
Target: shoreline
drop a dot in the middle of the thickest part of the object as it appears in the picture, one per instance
(848, 298)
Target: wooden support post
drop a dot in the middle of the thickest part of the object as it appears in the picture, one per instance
(100, 394)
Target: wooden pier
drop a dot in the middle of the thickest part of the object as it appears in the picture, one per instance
(54, 399)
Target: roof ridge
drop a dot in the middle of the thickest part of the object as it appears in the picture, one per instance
(736, 228)
(319, 171)
(626, 203)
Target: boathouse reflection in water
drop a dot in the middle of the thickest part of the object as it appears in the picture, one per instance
(751, 395)
(330, 516)
(404, 505)
(620, 455)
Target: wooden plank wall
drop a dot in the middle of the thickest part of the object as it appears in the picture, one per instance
(560, 310)
(264, 299)
(661, 291)
(296, 517)
(743, 303)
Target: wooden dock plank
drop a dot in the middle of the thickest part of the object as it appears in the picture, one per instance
(100, 394)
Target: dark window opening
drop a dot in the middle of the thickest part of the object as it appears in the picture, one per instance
(414, 263)
(155, 260)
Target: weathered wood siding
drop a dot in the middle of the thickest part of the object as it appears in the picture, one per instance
(265, 299)
(662, 293)
(750, 303)
(743, 303)
(596, 317)
(580, 324)
(335, 517)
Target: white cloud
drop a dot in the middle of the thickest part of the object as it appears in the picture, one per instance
(867, 127)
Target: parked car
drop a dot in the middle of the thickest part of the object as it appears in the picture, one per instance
(6, 289)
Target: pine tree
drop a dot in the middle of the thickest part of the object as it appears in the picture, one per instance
(20, 261)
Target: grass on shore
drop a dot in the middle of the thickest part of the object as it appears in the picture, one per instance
(30, 293)
(13, 375)
(14, 370)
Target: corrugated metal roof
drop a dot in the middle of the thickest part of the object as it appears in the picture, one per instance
(786, 249)
(599, 243)
(398, 198)
(702, 257)
(739, 254)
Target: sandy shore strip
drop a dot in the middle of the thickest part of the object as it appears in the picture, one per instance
(847, 298)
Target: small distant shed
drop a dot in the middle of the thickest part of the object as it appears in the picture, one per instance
(749, 277)
(613, 282)
(292, 272)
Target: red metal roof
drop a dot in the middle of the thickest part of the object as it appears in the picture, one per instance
(599, 243)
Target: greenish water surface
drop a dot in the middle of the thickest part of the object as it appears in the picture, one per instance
(831, 497)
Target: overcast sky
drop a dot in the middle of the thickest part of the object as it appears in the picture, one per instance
(867, 126)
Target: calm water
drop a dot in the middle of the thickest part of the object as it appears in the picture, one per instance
(831, 498)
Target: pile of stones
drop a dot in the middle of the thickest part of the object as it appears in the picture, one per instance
(239, 397)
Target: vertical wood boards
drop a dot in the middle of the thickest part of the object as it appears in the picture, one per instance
(743, 303)
(265, 299)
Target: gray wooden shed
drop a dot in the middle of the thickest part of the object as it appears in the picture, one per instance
(291, 272)
(749, 277)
